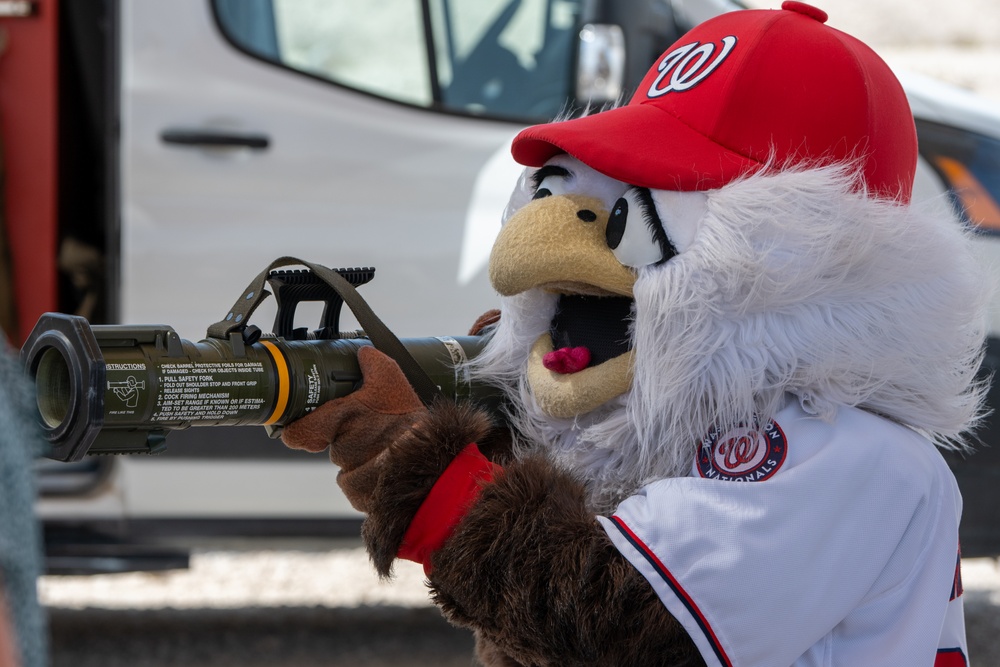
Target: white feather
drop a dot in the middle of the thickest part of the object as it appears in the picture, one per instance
(794, 283)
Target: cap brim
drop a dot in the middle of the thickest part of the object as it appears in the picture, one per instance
(638, 144)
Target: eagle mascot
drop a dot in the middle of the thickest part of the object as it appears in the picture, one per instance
(732, 349)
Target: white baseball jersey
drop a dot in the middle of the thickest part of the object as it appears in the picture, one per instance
(807, 543)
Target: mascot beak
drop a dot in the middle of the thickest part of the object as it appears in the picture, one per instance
(559, 244)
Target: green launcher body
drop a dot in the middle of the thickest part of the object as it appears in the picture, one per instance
(122, 389)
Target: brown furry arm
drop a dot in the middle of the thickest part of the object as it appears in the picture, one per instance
(529, 568)
(414, 463)
(534, 573)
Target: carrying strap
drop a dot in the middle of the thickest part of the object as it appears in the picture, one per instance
(381, 337)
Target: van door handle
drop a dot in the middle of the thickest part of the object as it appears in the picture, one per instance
(215, 139)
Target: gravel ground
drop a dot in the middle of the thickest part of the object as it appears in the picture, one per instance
(341, 577)
(305, 609)
(252, 609)
(257, 637)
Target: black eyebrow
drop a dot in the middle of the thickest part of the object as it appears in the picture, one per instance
(546, 171)
(654, 223)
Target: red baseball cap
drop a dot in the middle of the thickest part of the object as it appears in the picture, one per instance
(742, 90)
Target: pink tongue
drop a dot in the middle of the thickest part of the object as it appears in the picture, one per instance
(567, 360)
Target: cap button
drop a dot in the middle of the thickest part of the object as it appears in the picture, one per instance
(805, 10)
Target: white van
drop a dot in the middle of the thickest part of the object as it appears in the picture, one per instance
(204, 138)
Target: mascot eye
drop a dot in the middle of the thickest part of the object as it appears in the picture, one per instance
(635, 232)
(550, 180)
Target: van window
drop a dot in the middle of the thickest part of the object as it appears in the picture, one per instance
(377, 46)
(969, 165)
(505, 57)
(509, 59)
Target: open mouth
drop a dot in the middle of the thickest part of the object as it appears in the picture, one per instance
(587, 331)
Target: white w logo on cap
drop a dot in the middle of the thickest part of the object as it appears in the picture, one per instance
(688, 65)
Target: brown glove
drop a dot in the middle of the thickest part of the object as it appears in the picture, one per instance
(487, 319)
(360, 426)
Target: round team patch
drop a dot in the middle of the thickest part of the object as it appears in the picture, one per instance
(743, 454)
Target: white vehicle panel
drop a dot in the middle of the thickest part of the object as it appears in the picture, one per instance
(233, 489)
(348, 180)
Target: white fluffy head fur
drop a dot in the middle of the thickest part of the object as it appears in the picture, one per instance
(793, 282)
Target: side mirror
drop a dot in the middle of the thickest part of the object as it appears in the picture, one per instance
(600, 70)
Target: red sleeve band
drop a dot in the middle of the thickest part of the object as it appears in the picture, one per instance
(448, 501)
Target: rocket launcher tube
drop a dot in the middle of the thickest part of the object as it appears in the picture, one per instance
(121, 389)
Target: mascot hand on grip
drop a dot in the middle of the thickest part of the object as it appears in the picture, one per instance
(732, 348)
